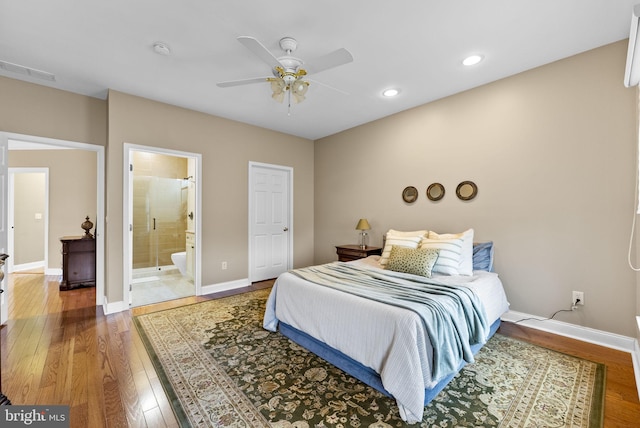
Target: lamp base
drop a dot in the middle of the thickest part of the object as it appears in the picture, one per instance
(363, 240)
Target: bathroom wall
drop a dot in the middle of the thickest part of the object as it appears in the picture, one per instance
(159, 193)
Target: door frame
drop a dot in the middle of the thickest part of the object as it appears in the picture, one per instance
(99, 223)
(289, 172)
(127, 215)
(11, 214)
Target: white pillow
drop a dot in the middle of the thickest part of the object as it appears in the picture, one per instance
(448, 262)
(401, 239)
(466, 255)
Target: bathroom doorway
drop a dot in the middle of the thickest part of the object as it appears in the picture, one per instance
(162, 226)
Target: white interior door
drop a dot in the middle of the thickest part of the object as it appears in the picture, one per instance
(4, 198)
(270, 220)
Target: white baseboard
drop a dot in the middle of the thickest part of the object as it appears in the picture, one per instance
(224, 286)
(53, 271)
(636, 365)
(114, 307)
(636, 358)
(28, 266)
(585, 334)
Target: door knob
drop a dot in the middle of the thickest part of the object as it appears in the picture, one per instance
(286, 229)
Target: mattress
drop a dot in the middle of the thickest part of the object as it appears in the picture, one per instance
(388, 339)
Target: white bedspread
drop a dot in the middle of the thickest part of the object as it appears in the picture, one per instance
(389, 339)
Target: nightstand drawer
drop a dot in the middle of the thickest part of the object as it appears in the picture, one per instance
(348, 253)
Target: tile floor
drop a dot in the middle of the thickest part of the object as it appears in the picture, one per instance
(159, 286)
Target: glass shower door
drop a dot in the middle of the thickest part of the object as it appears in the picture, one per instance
(159, 221)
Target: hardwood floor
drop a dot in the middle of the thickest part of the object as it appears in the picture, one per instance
(58, 348)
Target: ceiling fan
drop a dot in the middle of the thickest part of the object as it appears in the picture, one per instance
(289, 75)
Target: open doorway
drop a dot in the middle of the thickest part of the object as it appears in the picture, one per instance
(28, 213)
(59, 155)
(162, 228)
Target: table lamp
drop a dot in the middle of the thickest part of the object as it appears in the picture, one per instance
(362, 226)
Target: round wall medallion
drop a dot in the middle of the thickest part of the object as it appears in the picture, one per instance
(435, 192)
(410, 194)
(467, 190)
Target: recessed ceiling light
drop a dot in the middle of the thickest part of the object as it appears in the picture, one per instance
(161, 48)
(472, 60)
(391, 92)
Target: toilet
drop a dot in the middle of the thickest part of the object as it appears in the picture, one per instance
(180, 260)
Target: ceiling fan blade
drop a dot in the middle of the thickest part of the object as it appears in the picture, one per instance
(330, 60)
(315, 82)
(242, 82)
(260, 51)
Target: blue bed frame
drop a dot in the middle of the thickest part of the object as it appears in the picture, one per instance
(363, 373)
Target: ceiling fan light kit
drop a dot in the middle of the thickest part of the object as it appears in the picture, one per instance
(289, 78)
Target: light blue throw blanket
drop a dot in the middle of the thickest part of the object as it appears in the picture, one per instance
(453, 316)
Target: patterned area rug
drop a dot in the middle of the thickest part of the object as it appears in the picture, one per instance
(221, 369)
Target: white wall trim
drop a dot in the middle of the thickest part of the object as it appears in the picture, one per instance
(28, 266)
(635, 356)
(53, 271)
(636, 359)
(224, 286)
(115, 307)
(585, 334)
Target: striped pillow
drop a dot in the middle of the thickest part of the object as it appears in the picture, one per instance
(401, 239)
(466, 257)
(448, 262)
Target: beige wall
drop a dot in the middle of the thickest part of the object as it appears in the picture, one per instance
(41, 111)
(37, 110)
(226, 148)
(553, 154)
(72, 191)
(28, 229)
(552, 151)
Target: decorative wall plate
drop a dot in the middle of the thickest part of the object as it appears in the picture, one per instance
(410, 194)
(435, 191)
(467, 190)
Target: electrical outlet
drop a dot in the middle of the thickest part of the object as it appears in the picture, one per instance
(224, 265)
(577, 295)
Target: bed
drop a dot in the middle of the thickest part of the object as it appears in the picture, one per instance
(332, 310)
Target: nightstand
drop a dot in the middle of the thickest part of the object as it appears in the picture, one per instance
(346, 253)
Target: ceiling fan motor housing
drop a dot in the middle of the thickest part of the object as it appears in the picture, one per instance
(288, 44)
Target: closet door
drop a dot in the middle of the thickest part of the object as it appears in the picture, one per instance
(270, 221)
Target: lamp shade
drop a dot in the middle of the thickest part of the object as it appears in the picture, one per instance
(363, 224)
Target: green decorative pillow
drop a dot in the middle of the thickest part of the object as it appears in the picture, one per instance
(416, 261)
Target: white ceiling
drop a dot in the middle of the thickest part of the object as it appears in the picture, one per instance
(414, 45)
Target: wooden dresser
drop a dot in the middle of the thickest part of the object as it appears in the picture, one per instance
(347, 253)
(78, 262)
